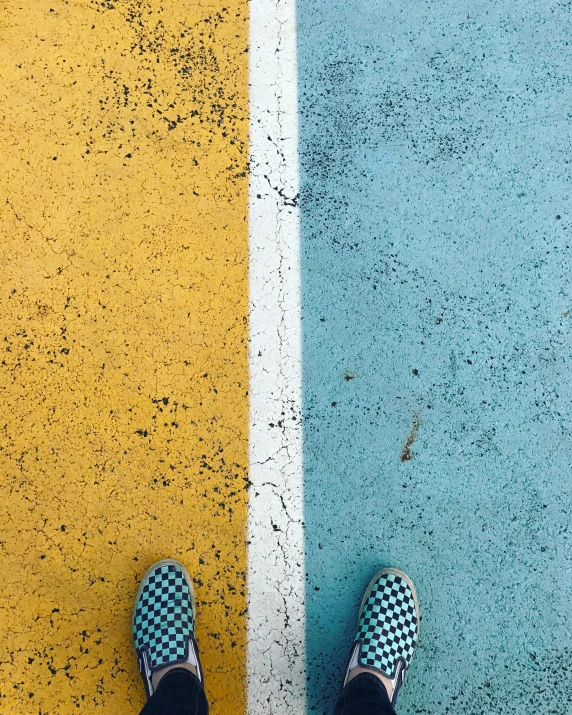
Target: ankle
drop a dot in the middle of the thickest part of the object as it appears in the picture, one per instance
(386, 681)
(158, 674)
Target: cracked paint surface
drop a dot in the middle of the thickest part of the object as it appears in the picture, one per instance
(276, 642)
(124, 367)
(435, 246)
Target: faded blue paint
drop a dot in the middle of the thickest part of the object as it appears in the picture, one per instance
(435, 145)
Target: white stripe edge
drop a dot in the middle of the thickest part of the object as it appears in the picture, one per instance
(276, 582)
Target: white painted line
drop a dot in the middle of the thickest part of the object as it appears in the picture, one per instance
(276, 626)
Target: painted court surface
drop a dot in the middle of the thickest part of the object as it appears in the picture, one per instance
(286, 295)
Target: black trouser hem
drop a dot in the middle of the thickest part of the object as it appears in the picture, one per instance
(364, 695)
(178, 693)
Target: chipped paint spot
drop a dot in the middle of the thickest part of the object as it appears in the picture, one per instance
(407, 454)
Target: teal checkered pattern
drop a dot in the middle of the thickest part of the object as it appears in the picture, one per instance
(163, 619)
(388, 625)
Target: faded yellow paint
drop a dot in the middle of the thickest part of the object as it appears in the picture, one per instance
(123, 339)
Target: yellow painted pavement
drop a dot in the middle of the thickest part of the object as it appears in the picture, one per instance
(123, 334)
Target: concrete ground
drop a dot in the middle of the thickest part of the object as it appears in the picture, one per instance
(435, 159)
(123, 324)
(396, 208)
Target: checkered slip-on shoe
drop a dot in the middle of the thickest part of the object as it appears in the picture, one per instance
(164, 621)
(388, 628)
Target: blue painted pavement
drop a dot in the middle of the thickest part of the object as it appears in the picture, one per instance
(435, 150)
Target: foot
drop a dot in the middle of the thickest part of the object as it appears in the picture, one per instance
(164, 624)
(388, 631)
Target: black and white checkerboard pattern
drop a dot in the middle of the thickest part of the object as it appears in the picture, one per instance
(388, 625)
(164, 616)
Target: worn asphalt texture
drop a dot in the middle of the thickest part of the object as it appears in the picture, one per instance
(123, 325)
(435, 163)
(435, 203)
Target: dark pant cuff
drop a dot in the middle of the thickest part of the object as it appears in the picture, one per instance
(179, 693)
(364, 695)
